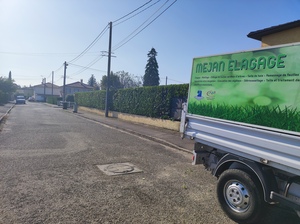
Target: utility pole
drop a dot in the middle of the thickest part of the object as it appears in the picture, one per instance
(44, 82)
(52, 83)
(108, 70)
(64, 88)
(166, 80)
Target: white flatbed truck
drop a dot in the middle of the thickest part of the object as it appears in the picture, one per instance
(243, 112)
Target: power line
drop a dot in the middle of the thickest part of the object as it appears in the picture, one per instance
(84, 52)
(90, 45)
(49, 75)
(57, 71)
(120, 45)
(176, 80)
(38, 54)
(59, 68)
(87, 67)
(132, 11)
(137, 13)
(58, 79)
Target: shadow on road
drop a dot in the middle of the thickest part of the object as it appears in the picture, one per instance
(279, 215)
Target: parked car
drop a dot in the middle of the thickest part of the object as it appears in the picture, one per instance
(20, 100)
(31, 99)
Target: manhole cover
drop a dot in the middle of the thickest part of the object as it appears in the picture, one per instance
(119, 169)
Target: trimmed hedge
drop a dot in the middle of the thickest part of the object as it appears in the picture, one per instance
(94, 99)
(51, 100)
(156, 101)
(153, 101)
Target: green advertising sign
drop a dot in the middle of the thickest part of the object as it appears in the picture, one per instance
(259, 87)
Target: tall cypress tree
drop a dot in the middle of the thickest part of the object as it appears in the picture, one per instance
(92, 81)
(151, 77)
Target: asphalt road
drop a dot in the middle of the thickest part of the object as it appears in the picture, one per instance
(49, 174)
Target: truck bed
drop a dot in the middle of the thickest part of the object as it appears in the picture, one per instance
(273, 147)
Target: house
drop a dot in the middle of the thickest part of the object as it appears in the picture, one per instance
(275, 35)
(42, 91)
(75, 87)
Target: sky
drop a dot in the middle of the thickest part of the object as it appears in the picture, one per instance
(38, 36)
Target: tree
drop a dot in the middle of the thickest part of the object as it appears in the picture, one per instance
(114, 82)
(7, 85)
(92, 82)
(128, 80)
(121, 80)
(7, 88)
(151, 77)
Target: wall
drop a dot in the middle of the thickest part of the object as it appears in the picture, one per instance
(72, 90)
(284, 37)
(167, 124)
(39, 93)
(40, 90)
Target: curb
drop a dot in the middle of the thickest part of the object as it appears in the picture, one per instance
(158, 140)
(7, 112)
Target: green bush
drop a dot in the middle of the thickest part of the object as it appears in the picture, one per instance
(94, 99)
(70, 98)
(153, 101)
(52, 99)
(156, 101)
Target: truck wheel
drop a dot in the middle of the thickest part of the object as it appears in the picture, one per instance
(240, 196)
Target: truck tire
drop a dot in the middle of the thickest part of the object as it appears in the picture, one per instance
(240, 196)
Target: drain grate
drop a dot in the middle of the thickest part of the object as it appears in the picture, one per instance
(119, 169)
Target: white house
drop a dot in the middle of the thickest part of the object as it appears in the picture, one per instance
(76, 87)
(42, 91)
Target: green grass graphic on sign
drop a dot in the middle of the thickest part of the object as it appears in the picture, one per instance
(260, 87)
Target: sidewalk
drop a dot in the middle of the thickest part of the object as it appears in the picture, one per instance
(164, 136)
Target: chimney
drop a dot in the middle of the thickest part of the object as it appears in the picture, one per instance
(81, 81)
